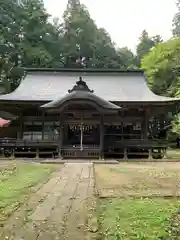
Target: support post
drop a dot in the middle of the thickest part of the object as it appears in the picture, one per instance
(43, 118)
(2, 154)
(60, 139)
(102, 137)
(81, 141)
(150, 154)
(20, 131)
(165, 153)
(125, 154)
(12, 156)
(37, 153)
(145, 125)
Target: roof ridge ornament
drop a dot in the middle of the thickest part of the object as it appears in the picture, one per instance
(80, 86)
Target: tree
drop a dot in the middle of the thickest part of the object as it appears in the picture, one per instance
(41, 40)
(10, 40)
(157, 39)
(176, 21)
(176, 125)
(27, 39)
(146, 43)
(73, 4)
(162, 66)
(84, 45)
(129, 59)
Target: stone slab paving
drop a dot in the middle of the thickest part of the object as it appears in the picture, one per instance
(58, 209)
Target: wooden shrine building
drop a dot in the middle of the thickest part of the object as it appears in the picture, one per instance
(84, 113)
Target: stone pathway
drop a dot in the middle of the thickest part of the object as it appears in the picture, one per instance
(58, 209)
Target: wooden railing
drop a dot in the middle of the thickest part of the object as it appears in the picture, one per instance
(115, 143)
(111, 148)
(143, 143)
(76, 152)
(10, 142)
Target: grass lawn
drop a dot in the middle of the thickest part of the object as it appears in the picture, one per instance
(137, 219)
(16, 180)
(137, 201)
(140, 180)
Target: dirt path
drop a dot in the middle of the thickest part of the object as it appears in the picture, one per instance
(57, 210)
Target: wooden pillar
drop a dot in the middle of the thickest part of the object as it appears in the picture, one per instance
(43, 119)
(12, 155)
(81, 141)
(102, 137)
(122, 124)
(142, 127)
(61, 138)
(20, 131)
(37, 153)
(150, 154)
(125, 154)
(2, 154)
(165, 156)
(65, 131)
(145, 125)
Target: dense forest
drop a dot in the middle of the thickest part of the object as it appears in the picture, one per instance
(29, 39)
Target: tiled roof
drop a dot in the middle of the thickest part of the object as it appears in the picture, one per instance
(121, 86)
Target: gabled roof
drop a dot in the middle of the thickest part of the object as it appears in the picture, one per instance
(111, 85)
(81, 92)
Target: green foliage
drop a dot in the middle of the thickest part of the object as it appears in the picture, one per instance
(176, 125)
(146, 43)
(10, 38)
(28, 39)
(16, 181)
(84, 44)
(129, 59)
(157, 39)
(176, 21)
(162, 68)
(144, 219)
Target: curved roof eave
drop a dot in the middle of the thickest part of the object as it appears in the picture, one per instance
(82, 96)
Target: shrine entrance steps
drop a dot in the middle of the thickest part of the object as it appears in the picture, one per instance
(60, 161)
